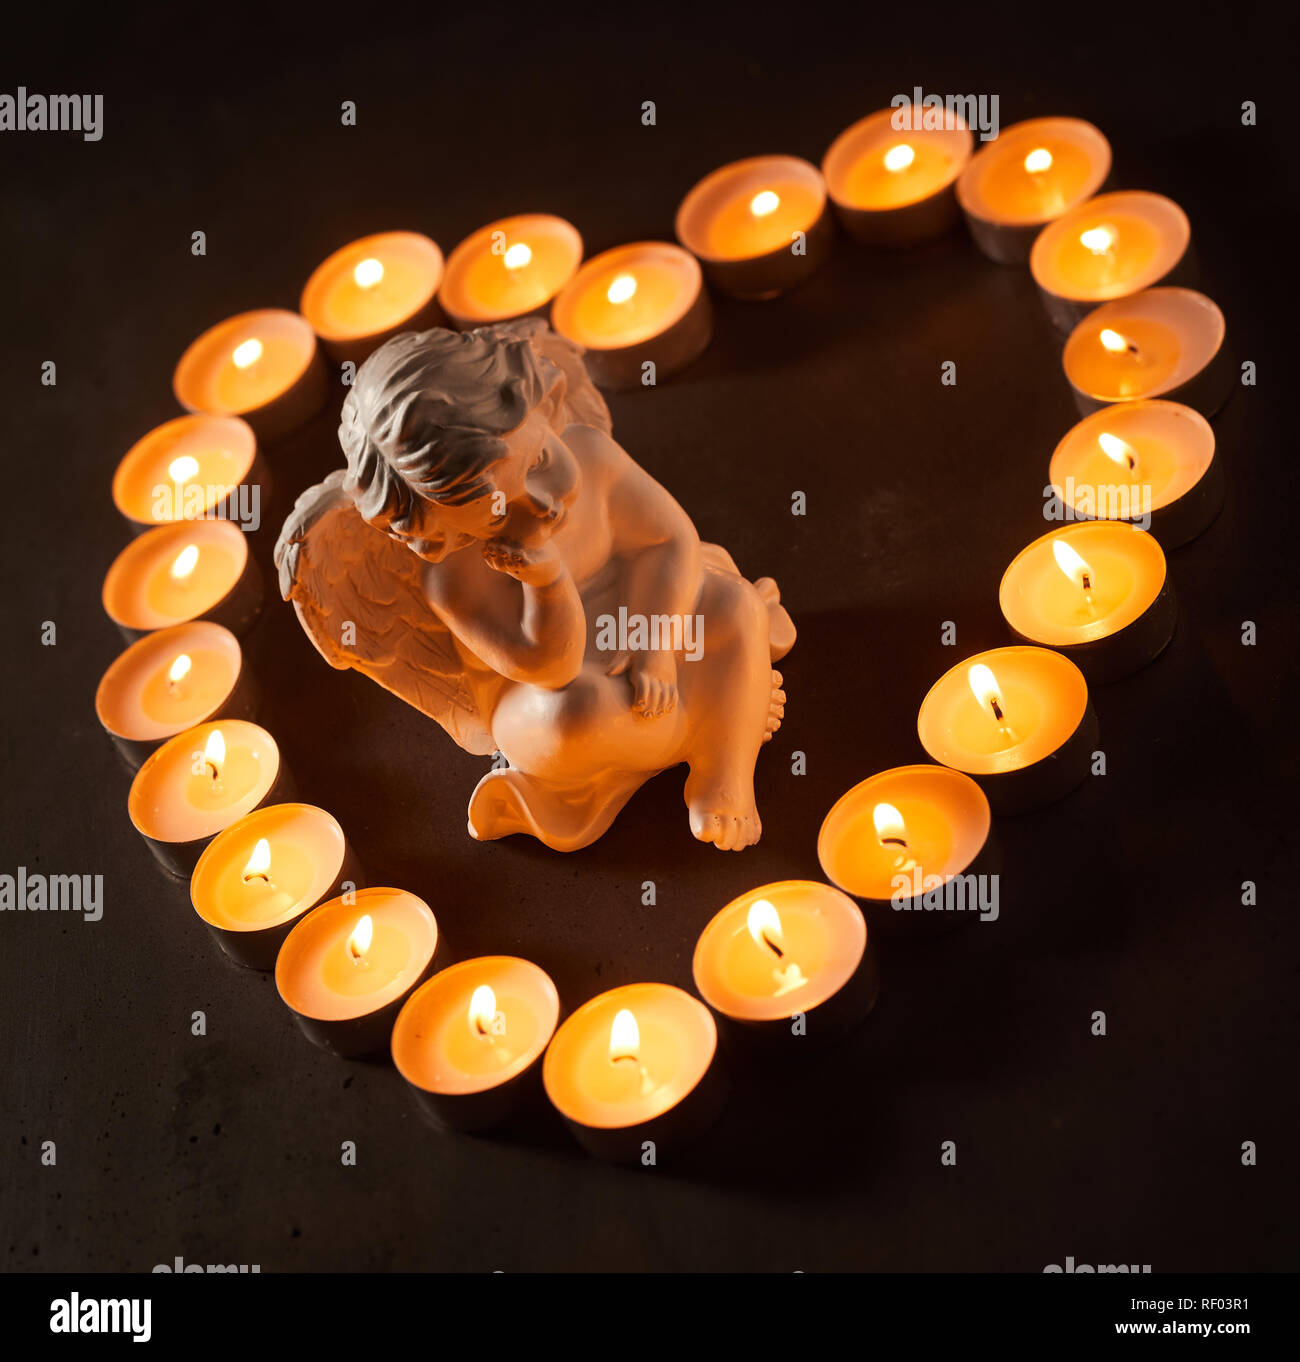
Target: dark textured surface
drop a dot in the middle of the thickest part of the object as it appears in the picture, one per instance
(1125, 897)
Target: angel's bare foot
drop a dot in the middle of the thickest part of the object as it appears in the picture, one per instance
(776, 708)
(721, 813)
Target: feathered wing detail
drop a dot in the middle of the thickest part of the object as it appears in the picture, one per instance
(336, 568)
(583, 404)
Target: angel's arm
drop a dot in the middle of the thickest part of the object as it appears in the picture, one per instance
(524, 619)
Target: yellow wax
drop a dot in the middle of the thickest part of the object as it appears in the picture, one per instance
(751, 208)
(509, 268)
(1043, 697)
(208, 378)
(318, 976)
(175, 797)
(822, 938)
(677, 1041)
(1125, 573)
(668, 282)
(1147, 233)
(997, 186)
(136, 698)
(341, 307)
(306, 848)
(1171, 445)
(859, 175)
(144, 488)
(438, 1047)
(142, 590)
(1170, 335)
(945, 818)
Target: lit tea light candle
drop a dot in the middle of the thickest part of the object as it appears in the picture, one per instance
(200, 782)
(169, 681)
(891, 175)
(636, 306)
(1164, 342)
(1107, 248)
(897, 838)
(197, 570)
(1151, 462)
(787, 968)
(347, 967)
(509, 268)
(264, 366)
(187, 468)
(470, 1040)
(370, 290)
(758, 226)
(1098, 592)
(1018, 720)
(258, 877)
(1028, 176)
(634, 1068)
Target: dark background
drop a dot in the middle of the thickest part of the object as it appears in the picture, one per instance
(1124, 897)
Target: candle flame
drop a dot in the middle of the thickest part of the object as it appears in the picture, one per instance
(368, 272)
(214, 752)
(1113, 341)
(764, 924)
(518, 255)
(179, 669)
(362, 935)
(890, 828)
(621, 289)
(764, 202)
(483, 1010)
(1072, 564)
(182, 469)
(1038, 160)
(246, 353)
(1097, 239)
(258, 865)
(899, 157)
(1120, 450)
(185, 561)
(624, 1037)
(984, 686)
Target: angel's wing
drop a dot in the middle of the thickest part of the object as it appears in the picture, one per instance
(338, 570)
(583, 404)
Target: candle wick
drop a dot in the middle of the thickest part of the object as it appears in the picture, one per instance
(257, 875)
(773, 947)
(894, 842)
(215, 769)
(997, 709)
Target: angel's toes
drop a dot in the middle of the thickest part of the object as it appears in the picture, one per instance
(722, 822)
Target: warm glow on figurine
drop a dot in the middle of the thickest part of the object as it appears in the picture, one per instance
(899, 157)
(184, 562)
(258, 865)
(247, 353)
(621, 289)
(368, 272)
(1038, 160)
(361, 937)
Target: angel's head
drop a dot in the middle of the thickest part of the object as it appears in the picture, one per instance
(453, 436)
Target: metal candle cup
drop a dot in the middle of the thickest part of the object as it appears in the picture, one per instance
(347, 967)
(257, 878)
(1029, 175)
(264, 366)
(634, 1068)
(470, 1040)
(1018, 720)
(787, 969)
(169, 681)
(200, 782)
(633, 306)
(758, 226)
(192, 570)
(1142, 459)
(1098, 592)
(902, 841)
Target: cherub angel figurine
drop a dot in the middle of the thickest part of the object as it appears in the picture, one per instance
(492, 556)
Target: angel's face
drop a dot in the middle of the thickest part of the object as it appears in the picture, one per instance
(530, 489)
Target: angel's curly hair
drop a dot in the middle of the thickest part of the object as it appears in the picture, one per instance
(427, 414)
